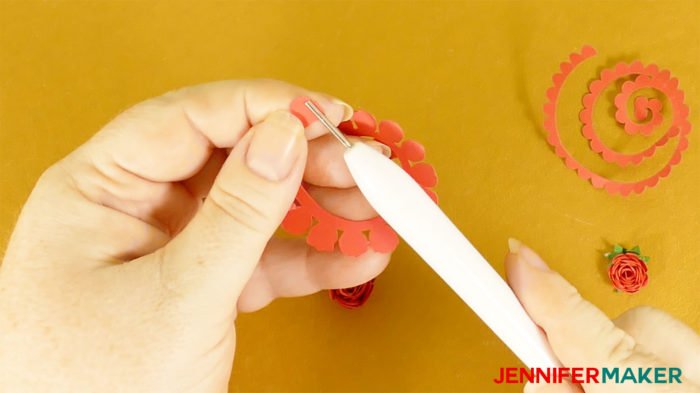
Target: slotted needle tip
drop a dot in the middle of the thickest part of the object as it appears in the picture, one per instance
(327, 123)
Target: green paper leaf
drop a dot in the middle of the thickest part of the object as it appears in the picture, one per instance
(636, 250)
(618, 249)
(645, 259)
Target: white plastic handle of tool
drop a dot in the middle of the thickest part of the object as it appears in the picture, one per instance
(403, 204)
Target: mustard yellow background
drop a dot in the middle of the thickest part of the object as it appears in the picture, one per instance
(467, 79)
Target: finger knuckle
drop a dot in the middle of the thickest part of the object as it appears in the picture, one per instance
(621, 345)
(237, 204)
(569, 300)
(51, 174)
(644, 310)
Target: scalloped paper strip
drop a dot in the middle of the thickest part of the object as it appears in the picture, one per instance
(326, 230)
(647, 111)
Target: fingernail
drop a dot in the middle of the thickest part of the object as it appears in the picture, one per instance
(514, 245)
(275, 145)
(380, 147)
(347, 109)
(526, 254)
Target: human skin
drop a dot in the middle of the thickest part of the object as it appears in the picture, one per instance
(120, 278)
(134, 254)
(581, 335)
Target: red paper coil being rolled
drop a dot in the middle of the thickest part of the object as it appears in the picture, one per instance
(325, 230)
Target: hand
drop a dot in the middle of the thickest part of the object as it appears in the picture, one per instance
(582, 336)
(121, 277)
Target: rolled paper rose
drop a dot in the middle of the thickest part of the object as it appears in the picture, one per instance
(628, 272)
(352, 297)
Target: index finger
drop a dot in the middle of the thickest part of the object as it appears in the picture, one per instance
(170, 138)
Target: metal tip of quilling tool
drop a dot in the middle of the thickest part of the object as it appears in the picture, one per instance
(327, 123)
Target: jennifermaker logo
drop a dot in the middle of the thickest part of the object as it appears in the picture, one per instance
(589, 375)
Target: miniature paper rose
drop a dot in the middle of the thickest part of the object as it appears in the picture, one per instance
(353, 297)
(628, 270)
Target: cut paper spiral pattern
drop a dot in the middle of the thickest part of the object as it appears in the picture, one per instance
(648, 115)
(324, 230)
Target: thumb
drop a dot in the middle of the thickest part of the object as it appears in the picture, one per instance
(215, 255)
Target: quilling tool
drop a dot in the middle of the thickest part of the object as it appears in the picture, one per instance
(405, 206)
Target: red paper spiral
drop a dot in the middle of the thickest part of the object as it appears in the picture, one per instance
(647, 116)
(325, 230)
(352, 297)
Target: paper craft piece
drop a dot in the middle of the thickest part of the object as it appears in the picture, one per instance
(352, 297)
(647, 116)
(353, 238)
(299, 109)
(628, 269)
(325, 229)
